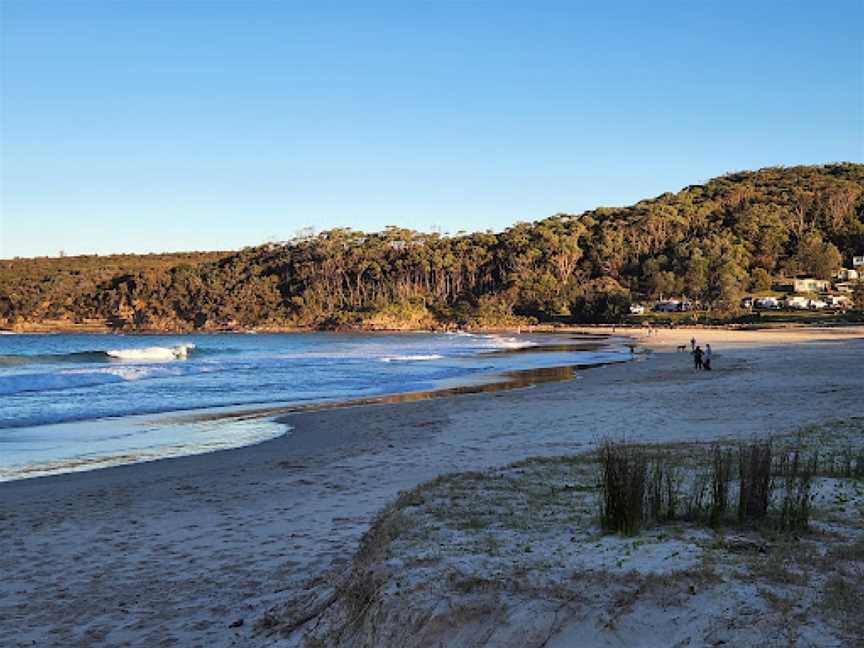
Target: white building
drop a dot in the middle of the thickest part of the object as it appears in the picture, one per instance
(847, 274)
(858, 262)
(810, 284)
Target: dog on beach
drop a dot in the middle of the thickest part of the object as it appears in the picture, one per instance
(682, 347)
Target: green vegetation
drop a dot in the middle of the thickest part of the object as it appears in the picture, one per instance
(712, 242)
(772, 484)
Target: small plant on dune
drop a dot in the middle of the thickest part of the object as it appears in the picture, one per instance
(721, 476)
(797, 477)
(697, 500)
(755, 481)
(623, 472)
(852, 463)
(663, 489)
(636, 487)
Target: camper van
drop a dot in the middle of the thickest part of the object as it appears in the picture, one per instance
(767, 303)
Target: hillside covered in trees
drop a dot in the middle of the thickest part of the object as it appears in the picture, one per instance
(711, 242)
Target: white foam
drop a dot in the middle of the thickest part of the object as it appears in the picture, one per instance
(122, 373)
(412, 358)
(150, 354)
(502, 342)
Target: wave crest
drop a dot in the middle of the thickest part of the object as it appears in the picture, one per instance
(179, 352)
(503, 342)
(155, 353)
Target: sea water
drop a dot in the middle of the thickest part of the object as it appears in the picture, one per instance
(75, 402)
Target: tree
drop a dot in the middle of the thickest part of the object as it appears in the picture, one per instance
(710, 241)
(816, 257)
(763, 231)
(730, 284)
(607, 307)
(696, 275)
(858, 295)
(727, 276)
(760, 280)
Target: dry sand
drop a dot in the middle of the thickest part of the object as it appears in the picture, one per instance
(176, 552)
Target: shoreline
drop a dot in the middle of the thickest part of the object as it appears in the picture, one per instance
(278, 413)
(192, 545)
(500, 382)
(518, 379)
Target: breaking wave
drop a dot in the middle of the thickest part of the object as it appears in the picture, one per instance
(148, 354)
(151, 354)
(503, 342)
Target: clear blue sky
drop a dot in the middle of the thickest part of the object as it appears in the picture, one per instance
(152, 126)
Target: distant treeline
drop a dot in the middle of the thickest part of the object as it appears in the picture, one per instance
(712, 242)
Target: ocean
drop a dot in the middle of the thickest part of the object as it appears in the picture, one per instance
(78, 402)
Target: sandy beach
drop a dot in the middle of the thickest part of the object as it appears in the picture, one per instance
(195, 551)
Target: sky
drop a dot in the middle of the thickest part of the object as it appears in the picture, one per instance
(145, 126)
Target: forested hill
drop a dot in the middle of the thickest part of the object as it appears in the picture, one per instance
(712, 242)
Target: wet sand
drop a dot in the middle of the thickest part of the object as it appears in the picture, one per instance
(174, 552)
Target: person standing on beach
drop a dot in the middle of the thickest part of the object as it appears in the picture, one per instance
(706, 361)
(697, 358)
(692, 344)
